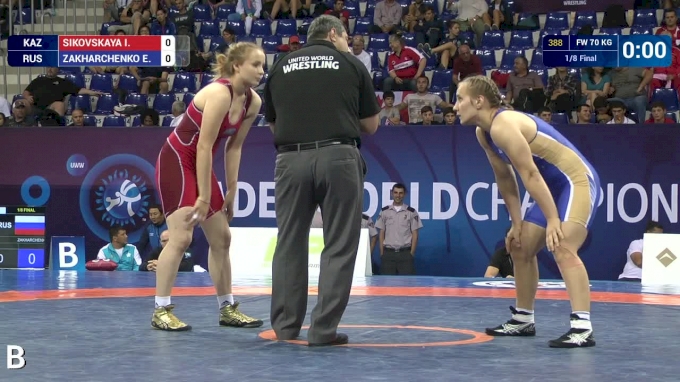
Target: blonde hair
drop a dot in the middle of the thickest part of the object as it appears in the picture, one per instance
(236, 54)
(485, 87)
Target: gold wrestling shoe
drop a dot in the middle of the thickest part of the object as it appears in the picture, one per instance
(164, 319)
(231, 316)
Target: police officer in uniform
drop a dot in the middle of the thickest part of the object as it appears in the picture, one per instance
(318, 100)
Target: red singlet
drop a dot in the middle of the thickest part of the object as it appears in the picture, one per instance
(176, 179)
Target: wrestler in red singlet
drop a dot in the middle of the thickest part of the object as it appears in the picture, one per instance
(176, 165)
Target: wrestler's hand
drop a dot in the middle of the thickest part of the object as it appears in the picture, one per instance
(553, 234)
(199, 212)
(512, 238)
(229, 205)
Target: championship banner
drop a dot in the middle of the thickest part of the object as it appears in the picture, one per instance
(548, 6)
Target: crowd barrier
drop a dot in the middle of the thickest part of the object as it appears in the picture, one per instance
(90, 178)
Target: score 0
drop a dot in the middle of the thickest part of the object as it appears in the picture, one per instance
(168, 50)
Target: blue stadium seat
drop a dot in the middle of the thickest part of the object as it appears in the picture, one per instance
(173, 10)
(80, 101)
(202, 12)
(543, 73)
(270, 44)
(434, 4)
(89, 120)
(113, 121)
(610, 31)
(493, 40)
(209, 28)
(641, 30)
(223, 11)
(353, 8)
(488, 58)
(362, 26)
(162, 103)
(378, 78)
(214, 46)
(375, 60)
(128, 83)
(556, 21)
(183, 83)
(536, 61)
(188, 97)
(136, 121)
(303, 39)
(441, 80)
(508, 60)
(370, 10)
(70, 70)
(410, 39)
(521, 40)
(206, 79)
(261, 28)
(247, 38)
(673, 116)
(668, 96)
(645, 18)
(167, 120)
(379, 42)
(446, 16)
(525, 16)
(560, 118)
(102, 83)
(584, 18)
(137, 99)
(24, 17)
(286, 27)
(104, 30)
(76, 78)
(431, 63)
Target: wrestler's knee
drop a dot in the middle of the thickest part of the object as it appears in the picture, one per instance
(521, 255)
(220, 241)
(180, 240)
(566, 257)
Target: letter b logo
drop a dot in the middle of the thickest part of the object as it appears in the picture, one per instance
(15, 357)
(68, 253)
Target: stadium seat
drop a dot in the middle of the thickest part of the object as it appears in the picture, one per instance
(434, 4)
(379, 42)
(641, 30)
(136, 121)
(526, 16)
(106, 103)
(303, 39)
(353, 8)
(610, 31)
(128, 83)
(536, 60)
(378, 78)
(556, 21)
(113, 121)
(669, 97)
(441, 80)
(488, 58)
(76, 78)
(584, 18)
(560, 118)
(261, 28)
(80, 101)
(286, 27)
(137, 99)
(247, 39)
(410, 39)
(167, 120)
(208, 29)
(508, 60)
(431, 62)
(270, 44)
(223, 11)
(188, 97)
(362, 26)
(521, 40)
(70, 69)
(102, 83)
(493, 40)
(89, 120)
(24, 17)
(370, 10)
(162, 103)
(202, 12)
(645, 18)
(206, 79)
(104, 30)
(183, 83)
(672, 115)
(375, 60)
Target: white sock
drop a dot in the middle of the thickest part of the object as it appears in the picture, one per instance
(223, 300)
(162, 301)
(583, 321)
(524, 315)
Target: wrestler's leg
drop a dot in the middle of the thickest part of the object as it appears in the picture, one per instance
(573, 271)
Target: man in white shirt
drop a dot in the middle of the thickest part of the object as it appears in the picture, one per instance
(632, 271)
(360, 53)
(618, 110)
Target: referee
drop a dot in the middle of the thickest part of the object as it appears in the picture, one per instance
(318, 100)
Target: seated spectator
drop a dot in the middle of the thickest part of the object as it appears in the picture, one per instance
(150, 118)
(132, 17)
(595, 83)
(78, 118)
(414, 15)
(183, 18)
(404, 64)
(545, 114)
(659, 114)
(525, 88)
(50, 91)
(4, 106)
(389, 111)
(340, 12)
(501, 15)
(163, 26)
(562, 90)
(286, 9)
(429, 30)
(427, 117)
(119, 251)
(247, 10)
(186, 264)
(632, 271)
(360, 53)
(602, 112)
(414, 102)
(448, 49)
(387, 17)
(449, 116)
(500, 264)
(618, 110)
(472, 15)
(584, 114)
(629, 85)
(20, 117)
(178, 109)
(670, 26)
(465, 65)
(153, 80)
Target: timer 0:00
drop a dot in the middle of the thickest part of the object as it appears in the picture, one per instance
(649, 50)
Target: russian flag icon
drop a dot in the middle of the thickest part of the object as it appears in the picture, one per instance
(29, 225)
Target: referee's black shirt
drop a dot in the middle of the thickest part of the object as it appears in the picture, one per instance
(318, 93)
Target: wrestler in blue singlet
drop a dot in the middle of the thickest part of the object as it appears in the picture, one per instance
(572, 180)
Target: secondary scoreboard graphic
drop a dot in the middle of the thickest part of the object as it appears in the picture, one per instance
(71, 51)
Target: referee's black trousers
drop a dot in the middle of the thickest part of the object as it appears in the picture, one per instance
(332, 177)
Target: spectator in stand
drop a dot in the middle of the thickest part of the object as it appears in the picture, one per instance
(340, 12)
(150, 118)
(525, 89)
(20, 117)
(545, 114)
(78, 118)
(448, 51)
(562, 91)
(603, 113)
(247, 11)
(414, 14)
(449, 116)
(584, 114)
(178, 109)
(594, 83)
(360, 53)
(387, 17)
(49, 92)
(389, 112)
(404, 65)
(632, 271)
(659, 114)
(501, 15)
(132, 17)
(465, 65)
(111, 11)
(183, 19)
(4, 106)
(472, 14)
(618, 110)
(429, 30)
(286, 9)
(185, 265)
(670, 21)
(667, 76)
(427, 117)
(163, 26)
(629, 85)
(415, 102)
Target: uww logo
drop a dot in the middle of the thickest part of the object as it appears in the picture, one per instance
(121, 199)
